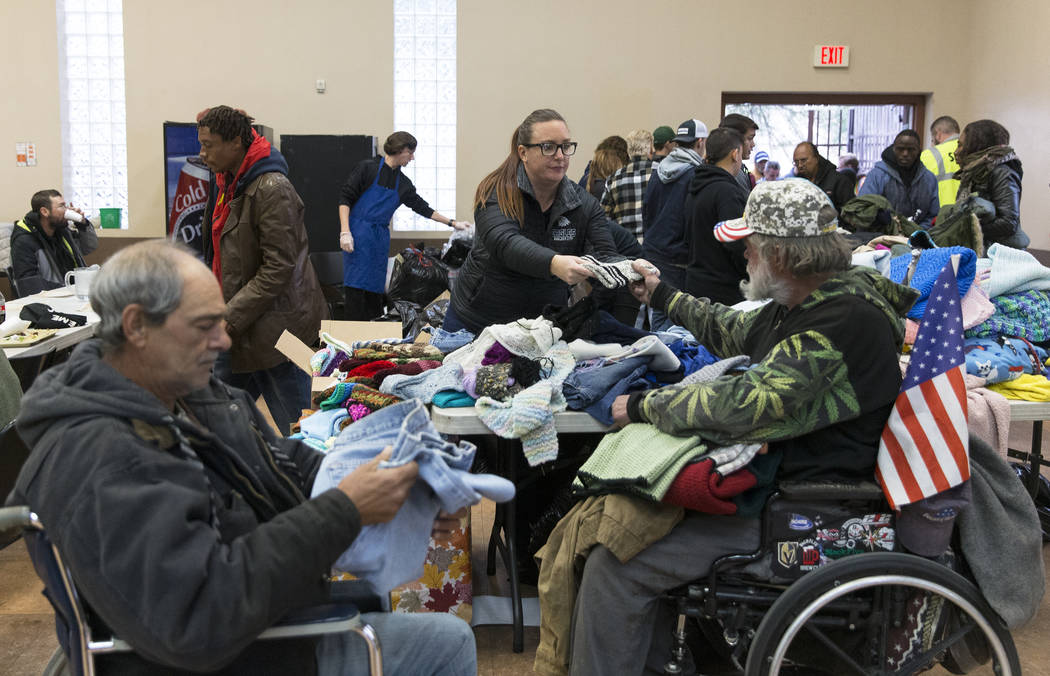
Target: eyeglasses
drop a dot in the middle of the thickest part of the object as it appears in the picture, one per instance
(548, 148)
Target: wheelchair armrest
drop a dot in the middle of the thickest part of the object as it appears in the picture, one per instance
(830, 490)
(329, 618)
(357, 592)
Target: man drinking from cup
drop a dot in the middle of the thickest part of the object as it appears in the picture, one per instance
(43, 246)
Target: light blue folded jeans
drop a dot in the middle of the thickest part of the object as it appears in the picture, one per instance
(389, 554)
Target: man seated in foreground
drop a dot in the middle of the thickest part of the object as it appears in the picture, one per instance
(823, 381)
(182, 516)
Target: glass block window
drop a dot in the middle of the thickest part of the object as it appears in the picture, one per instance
(91, 78)
(425, 103)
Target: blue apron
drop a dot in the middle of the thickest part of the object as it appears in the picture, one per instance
(365, 268)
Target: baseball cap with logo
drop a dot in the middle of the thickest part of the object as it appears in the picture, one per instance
(788, 208)
(662, 134)
(690, 130)
(925, 527)
(761, 156)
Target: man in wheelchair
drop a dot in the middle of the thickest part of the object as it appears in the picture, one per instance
(182, 517)
(823, 380)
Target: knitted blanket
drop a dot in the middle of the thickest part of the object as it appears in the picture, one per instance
(529, 414)
(931, 262)
(1013, 270)
(1025, 314)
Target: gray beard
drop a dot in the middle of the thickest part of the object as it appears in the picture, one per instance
(763, 285)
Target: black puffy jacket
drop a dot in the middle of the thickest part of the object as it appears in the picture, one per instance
(507, 274)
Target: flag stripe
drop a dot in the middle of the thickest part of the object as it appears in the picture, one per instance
(940, 423)
(921, 444)
(901, 485)
(962, 455)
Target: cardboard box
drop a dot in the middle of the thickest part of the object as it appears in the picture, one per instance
(348, 332)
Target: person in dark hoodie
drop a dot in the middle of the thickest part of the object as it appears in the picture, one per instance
(715, 270)
(810, 165)
(901, 178)
(43, 246)
(254, 239)
(184, 520)
(991, 169)
(663, 212)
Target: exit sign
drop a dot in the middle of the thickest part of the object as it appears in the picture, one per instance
(831, 56)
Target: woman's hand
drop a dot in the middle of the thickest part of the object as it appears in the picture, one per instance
(346, 242)
(643, 290)
(462, 225)
(569, 269)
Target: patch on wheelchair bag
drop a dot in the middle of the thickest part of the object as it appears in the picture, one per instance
(922, 625)
(830, 538)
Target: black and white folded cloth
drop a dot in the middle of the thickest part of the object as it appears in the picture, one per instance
(611, 275)
(41, 316)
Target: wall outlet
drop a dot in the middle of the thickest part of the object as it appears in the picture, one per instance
(320, 86)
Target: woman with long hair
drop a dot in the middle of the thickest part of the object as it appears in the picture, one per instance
(989, 168)
(533, 224)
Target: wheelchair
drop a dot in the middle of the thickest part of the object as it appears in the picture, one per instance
(829, 591)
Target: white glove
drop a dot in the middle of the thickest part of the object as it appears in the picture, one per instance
(346, 242)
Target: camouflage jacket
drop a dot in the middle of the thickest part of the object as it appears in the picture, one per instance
(824, 378)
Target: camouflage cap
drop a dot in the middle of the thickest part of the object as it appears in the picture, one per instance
(788, 208)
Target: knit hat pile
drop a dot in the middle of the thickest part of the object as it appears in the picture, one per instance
(369, 369)
(410, 369)
(403, 350)
(363, 401)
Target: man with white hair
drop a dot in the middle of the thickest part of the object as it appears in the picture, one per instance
(823, 380)
(625, 189)
(183, 517)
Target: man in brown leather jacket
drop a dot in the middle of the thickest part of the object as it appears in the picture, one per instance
(255, 242)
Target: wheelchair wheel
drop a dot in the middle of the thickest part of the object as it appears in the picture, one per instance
(881, 613)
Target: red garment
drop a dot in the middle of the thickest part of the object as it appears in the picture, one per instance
(371, 368)
(699, 488)
(410, 369)
(226, 185)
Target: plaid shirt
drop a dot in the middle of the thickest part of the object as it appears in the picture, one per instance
(624, 191)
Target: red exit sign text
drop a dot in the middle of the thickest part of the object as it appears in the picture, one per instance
(831, 56)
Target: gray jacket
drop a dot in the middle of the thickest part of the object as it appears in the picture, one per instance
(186, 540)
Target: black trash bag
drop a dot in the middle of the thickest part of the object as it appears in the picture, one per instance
(418, 276)
(435, 312)
(456, 254)
(411, 316)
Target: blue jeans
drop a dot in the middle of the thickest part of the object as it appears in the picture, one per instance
(285, 388)
(414, 644)
(452, 323)
(675, 276)
(585, 387)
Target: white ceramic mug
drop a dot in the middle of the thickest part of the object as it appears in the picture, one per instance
(82, 278)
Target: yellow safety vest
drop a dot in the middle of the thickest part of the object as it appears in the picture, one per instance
(940, 160)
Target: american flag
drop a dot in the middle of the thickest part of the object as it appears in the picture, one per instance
(925, 444)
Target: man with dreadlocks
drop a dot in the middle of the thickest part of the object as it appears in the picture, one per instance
(255, 242)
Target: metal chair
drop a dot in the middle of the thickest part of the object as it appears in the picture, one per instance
(81, 639)
(10, 272)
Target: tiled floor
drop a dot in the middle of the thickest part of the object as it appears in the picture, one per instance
(27, 636)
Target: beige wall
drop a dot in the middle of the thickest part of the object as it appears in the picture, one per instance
(611, 84)
(29, 108)
(1011, 84)
(598, 62)
(264, 57)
